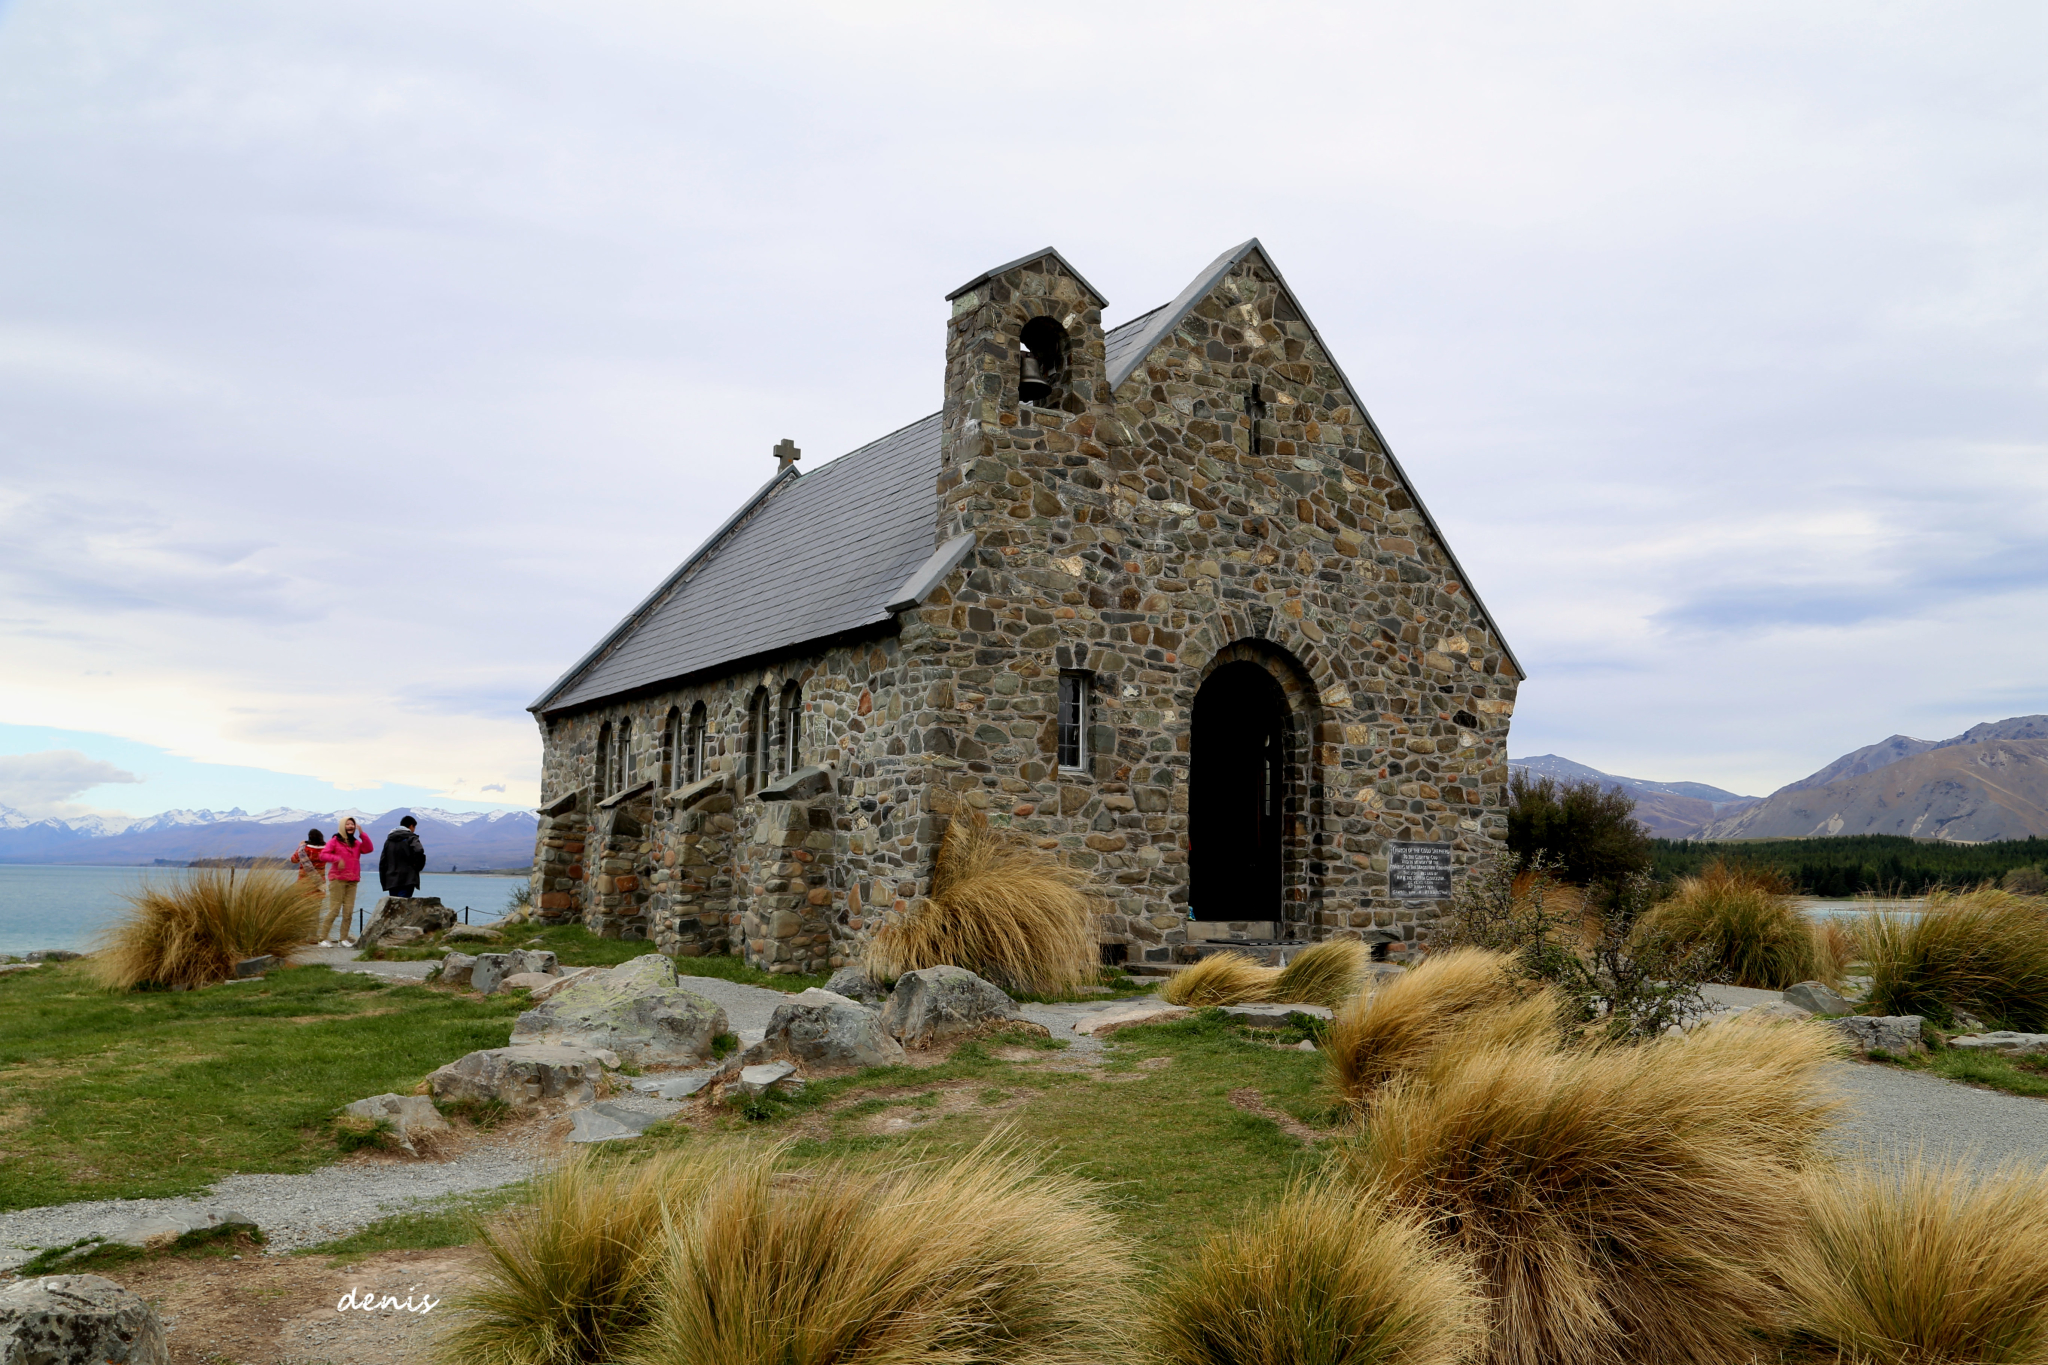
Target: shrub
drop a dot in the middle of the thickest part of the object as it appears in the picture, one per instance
(1925, 1265)
(999, 907)
(192, 930)
(987, 1260)
(1744, 918)
(1322, 1279)
(1329, 973)
(1396, 1028)
(2026, 881)
(1985, 951)
(1221, 979)
(1615, 1201)
(1583, 832)
(568, 1278)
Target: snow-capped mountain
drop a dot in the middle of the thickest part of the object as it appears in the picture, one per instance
(462, 839)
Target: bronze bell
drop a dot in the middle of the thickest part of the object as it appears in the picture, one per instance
(1031, 383)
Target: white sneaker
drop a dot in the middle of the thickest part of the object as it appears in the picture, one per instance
(326, 943)
(348, 943)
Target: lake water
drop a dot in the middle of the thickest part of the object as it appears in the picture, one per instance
(64, 907)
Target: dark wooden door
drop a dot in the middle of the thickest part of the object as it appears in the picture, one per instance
(1237, 795)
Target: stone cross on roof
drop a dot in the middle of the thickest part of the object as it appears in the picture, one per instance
(786, 454)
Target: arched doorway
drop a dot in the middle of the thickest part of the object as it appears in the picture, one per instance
(1237, 789)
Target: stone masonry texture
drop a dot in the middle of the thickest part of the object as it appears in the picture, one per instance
(1230, 501)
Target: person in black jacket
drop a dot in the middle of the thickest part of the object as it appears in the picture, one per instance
(403, 859)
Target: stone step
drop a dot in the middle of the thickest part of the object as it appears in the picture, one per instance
(1232, 931)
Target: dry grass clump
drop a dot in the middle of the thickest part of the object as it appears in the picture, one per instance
(192, 929)
(1324, 1278)
(987, 1260)
(1746, 918)
(569, 1278)
(1329, 973)
(1221, 979)
(1004, 910)
(1985, 951)
(1925, 1265)
(1466, 993)
(1615, 1201)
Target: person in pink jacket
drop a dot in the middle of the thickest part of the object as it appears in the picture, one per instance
(344, 858)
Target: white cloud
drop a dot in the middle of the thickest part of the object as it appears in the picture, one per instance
(42, 784)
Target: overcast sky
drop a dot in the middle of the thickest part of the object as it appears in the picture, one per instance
(361, 364)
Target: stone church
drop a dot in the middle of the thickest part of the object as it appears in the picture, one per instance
(1159, 598)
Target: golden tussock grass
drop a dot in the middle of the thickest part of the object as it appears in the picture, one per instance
(1746, 918)
(1221, 979)
(191, 929)
(1469, 993)
(1925, 1265)
(1615, 1201)
(1004, 910)
(1328, 973)
(569, 1278)
(1324, 1278)
(984, 1260)
(1985, 951)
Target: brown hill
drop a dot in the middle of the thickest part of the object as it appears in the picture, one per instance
(1976, 787)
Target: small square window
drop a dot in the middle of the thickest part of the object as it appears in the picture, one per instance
(1073, 720)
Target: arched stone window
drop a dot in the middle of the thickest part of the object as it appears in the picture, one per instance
(628, 760)
(693, 744)
(671, 743)
(760, 739)
(602, 774)
(789, 730)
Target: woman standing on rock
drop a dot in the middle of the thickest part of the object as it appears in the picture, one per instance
(344, 858)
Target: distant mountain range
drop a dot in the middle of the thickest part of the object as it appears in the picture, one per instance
(470, 840)
(1990, 782)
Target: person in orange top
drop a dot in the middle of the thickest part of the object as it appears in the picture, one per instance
(344, 858)
(306, 857)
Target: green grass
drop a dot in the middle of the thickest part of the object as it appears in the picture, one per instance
(447, 1223)
(106, 1095)
(2014, 1075)
(736, 969)
(1175, 1158)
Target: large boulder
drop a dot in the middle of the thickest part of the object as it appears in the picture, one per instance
(413, 1118)
(524, 1076)
(1887, 1033)
(855, 984)
(424, 913)
(491, 969)
(58, 1319)
(637, 1009)
(939, 1004)
(2003, 1041)
(1817, 997)
(824, 1029)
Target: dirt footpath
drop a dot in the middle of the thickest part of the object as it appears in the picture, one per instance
(282, 1310)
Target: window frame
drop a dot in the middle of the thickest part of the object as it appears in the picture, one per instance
(1071, 732)
(760, 749)
(789, 729)
(622, 740)
(693, 739)
(603, 766)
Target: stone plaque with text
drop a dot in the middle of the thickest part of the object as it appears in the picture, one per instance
(1418, 872)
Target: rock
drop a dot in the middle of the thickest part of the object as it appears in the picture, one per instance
(424, 913)
(608, 1122)
(491, 969)
(636, 1009)
(825, 1029)
(59, 1319)
(557, 984)
(402, 935)
(1817, 998)
(755, 1080)
(937, 1004)
(1106, 1022)
(1967, 1022)
(51, 955)
(523, 1076)
(527, 981)
(1776, 1012)
(160, 1230)
(255, 966)
(413, 1118)
(1273, 1016)
(1891, 1033)
(681, 1088)
(2004, 1041)
(855, 984)
(472, 933)
(456, 969)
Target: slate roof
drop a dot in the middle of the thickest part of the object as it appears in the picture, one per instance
(821, 554)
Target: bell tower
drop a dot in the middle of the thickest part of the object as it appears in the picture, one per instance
(1026, 383)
